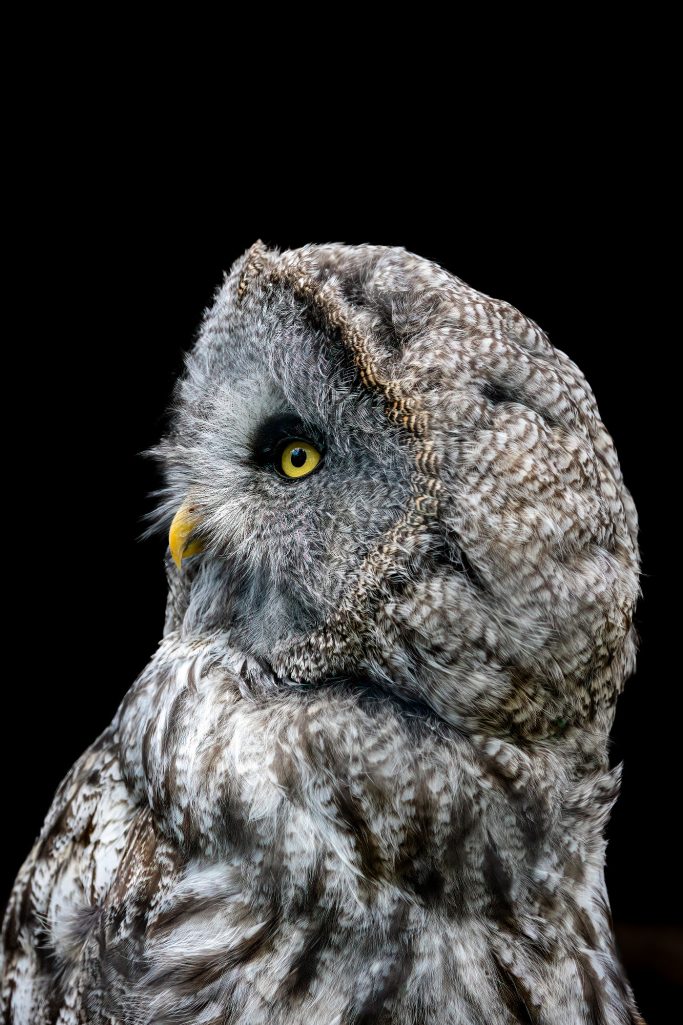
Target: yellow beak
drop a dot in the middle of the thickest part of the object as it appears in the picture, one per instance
(184, 523)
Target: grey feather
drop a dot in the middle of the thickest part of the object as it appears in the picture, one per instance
(364, 777)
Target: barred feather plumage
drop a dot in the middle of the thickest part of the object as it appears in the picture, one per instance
(364, 777)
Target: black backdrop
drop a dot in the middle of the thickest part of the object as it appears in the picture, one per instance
(118, 254)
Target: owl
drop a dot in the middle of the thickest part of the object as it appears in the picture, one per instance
(364, 776)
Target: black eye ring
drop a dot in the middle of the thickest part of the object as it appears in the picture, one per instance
(273, 435)
(295, 458)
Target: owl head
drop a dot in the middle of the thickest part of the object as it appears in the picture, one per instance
(376, 475)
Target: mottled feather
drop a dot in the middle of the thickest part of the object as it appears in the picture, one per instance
(364, 777)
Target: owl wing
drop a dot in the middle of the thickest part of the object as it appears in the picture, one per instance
(91, 870)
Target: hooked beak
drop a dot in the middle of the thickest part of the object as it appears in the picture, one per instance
(180, 539)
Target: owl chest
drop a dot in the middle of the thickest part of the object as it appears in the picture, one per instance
(296, 860)
(290, 781)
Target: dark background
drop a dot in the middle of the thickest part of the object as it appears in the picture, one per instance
(120, 248)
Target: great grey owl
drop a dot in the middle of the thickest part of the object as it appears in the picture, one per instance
(364, 777)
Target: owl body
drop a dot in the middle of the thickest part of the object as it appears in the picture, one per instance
(364, 776)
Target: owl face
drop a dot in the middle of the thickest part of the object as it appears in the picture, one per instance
(285, 472)
(376, 471)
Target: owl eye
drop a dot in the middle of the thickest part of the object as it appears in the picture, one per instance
(287, 446)
(296, 458)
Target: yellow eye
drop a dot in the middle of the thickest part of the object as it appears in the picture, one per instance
(298, 458)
